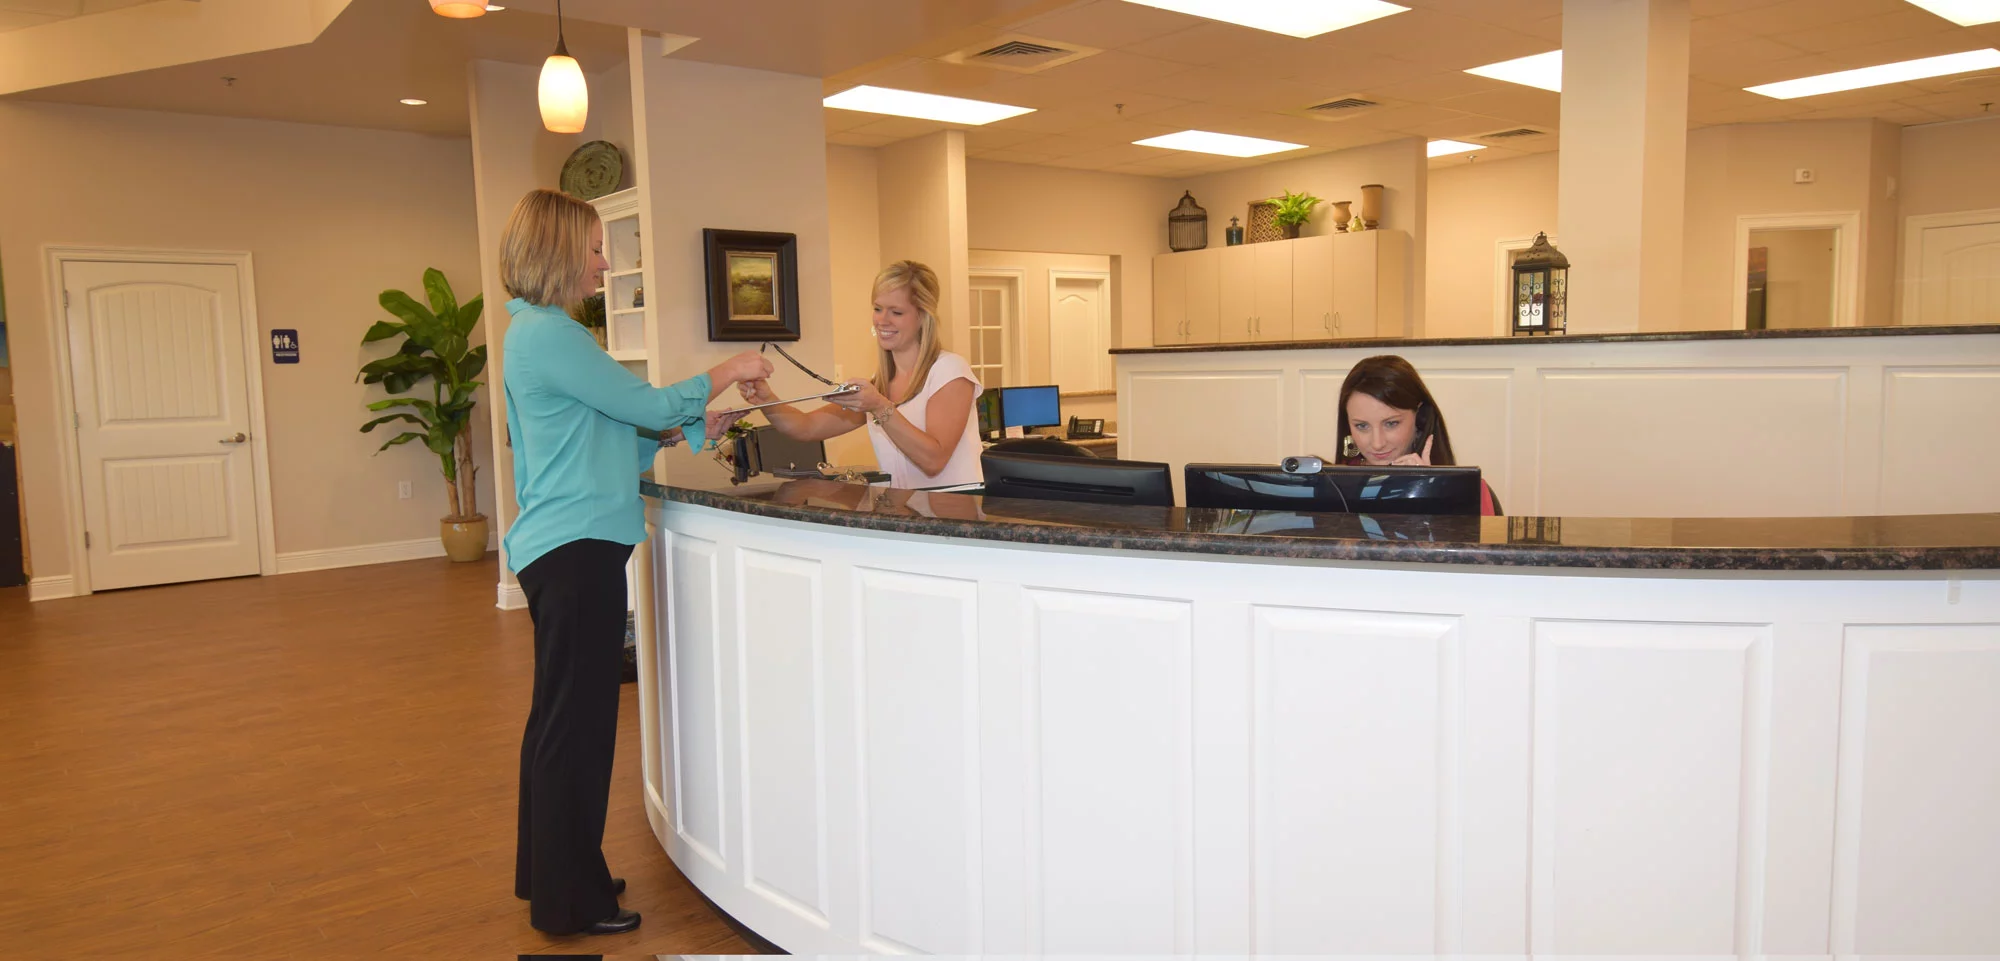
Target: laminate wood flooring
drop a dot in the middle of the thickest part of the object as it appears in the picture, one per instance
(307, 766)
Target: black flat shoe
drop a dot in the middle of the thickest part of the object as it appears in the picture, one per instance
(617, 888)
(618, 923)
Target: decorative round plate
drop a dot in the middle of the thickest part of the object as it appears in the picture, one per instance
(593, 170)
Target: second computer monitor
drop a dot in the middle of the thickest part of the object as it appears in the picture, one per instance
(1335, 490)
(1031, 406)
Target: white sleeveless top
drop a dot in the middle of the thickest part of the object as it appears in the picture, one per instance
(963, 468)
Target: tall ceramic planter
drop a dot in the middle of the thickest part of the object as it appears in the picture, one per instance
(465, 540)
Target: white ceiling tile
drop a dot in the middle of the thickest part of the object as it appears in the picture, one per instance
(848, 138)
(10, 20)
(1108, 24)
(995, 137)
(950, 79)
(1112, 69)
(1012, 156)
(1777, 18)
(1213, 44)
(1893, 51)
(1907, 23)
(1436, 40)
(1437, 86)
(898, 128)
(1522, 105)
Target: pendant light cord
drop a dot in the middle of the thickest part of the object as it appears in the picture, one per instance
(561, 49)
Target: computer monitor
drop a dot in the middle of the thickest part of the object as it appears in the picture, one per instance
(1031, 406)
(1079, 479)
(1335, 489)
(988, 405)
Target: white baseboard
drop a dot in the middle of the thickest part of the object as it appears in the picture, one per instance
(298, 562)
(509, 597)
(52, 588)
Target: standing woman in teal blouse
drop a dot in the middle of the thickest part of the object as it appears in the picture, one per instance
(583, 428)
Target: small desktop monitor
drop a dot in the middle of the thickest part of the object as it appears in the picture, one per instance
(990, 422)
(1084, 480)
(1031, 406)
(783, 456)
(1335, 489)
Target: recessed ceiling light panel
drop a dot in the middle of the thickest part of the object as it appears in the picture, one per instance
(1445, 148)
(1293, 18)
(1878, 75)
(412, 101)
(922, 106)
(1965, 13)
(1544, 70)
(1227, 145)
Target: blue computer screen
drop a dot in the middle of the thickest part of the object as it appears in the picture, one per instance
(1031, 406)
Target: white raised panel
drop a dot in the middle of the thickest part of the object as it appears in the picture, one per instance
(1940, 411)
(695, 651)
(1916, 858)
(779, 649)
(1479, 406)
(157, 352)
(168, 501)
(1651, 766)
(1613, 438)
(918, 646)
(1345, 699)
(1319, 414)
(1236, 413)
(1111, 775)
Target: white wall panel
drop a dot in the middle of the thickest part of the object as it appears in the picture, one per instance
(780, 648)
(697, 665)
(1936, 418)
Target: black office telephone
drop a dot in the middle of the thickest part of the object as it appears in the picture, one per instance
(1081, 429)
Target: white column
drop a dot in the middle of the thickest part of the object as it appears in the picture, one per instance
(1623, 167)
(921, 183)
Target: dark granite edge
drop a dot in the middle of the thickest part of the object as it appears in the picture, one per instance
(1278, 546)
(1632, 338)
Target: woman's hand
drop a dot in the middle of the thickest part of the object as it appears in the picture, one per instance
(671, 437)
(757, 391)
(865, 398)
(746, 366)
(718, 421)
(1416, 460)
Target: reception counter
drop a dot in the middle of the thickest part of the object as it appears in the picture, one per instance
(881, 721)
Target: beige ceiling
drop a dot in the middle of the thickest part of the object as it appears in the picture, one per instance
(17, 14)
(1173, 72)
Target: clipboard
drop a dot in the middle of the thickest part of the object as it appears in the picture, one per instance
(840, 391)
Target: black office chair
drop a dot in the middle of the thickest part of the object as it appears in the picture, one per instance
(1048, 446)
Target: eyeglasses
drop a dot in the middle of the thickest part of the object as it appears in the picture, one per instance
(795, 363)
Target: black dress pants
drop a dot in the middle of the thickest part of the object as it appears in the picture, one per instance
(576, 595)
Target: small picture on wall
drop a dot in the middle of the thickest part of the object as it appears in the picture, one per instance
(753, 285)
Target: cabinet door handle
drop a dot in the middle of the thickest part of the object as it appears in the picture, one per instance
(1326, 321)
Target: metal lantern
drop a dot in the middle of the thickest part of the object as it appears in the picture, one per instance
(1187, 225)
(1541, 289)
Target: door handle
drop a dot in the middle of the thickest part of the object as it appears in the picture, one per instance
(238, 439)
(1326, 321)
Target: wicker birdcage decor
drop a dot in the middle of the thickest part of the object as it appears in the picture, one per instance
(1187, 225)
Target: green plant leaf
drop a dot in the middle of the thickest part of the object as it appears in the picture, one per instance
(412, 418)
(421, 325)
(424, 407)
(381, 330)
(472, 363)
(443, 303)
(402, 438)
(468, 314)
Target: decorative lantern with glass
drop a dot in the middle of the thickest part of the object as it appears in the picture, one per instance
(1541, 289)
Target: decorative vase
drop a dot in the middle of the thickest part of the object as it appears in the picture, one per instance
(1233, 234)
(638, 296)
(464, 540)
(1289, 231)
(1371, 205)
(1341, 215)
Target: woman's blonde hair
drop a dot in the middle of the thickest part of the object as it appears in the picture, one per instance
(545, 251)
(922, 283)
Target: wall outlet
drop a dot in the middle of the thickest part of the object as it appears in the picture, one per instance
(1803, 175)
(403, 490)
(839, 374)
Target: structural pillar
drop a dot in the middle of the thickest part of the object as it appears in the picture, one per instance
(921, 184)
(1622, 178)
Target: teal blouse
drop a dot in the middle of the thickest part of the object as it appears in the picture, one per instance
(575, 418)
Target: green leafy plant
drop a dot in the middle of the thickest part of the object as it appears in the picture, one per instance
(1294, 209)
(436, 347)
(590, 311)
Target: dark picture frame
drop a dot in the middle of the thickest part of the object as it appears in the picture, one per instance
(753, 284)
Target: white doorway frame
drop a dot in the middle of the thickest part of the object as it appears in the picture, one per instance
(1914, 283)
(54, 257)
(1010, 281)
(1504, 250)
(1846, 260)
(1102, 278)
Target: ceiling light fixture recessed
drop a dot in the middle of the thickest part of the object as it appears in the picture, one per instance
(922, 106)
(1878, 75)
(1293, 18)
(1445, 148)
(1544, 70)
(494, 8)
(1224, 144)
(1965, 13)
(412, 101)
(459, 9)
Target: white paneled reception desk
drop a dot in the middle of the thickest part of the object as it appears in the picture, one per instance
(880, 721)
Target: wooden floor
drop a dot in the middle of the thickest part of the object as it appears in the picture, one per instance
(310, 765)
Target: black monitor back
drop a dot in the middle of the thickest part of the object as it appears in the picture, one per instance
(1335, 489)
(1079, 479)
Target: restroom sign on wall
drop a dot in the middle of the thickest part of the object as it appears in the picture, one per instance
(284, 346)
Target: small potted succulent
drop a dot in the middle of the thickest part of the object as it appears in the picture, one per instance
(1293, 211)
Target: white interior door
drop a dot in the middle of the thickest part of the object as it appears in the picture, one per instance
(1079, 333)
(991, 324)
(1961, 274)
(163, 421)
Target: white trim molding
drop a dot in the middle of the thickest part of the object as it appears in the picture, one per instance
(1503, 279)
(1915, 284)
(362, 555)
(54, 256)
(510, 597)
(1846, 259)
(1108, 377)
(1012, 282)
(53, 588)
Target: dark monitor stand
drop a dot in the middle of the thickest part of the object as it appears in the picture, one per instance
(1077, 479)
(1335, 489)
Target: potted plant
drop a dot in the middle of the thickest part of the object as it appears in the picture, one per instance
(590, 313)
(436, 347)
(1293, 211)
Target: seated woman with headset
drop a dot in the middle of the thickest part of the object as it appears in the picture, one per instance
(1389, 419)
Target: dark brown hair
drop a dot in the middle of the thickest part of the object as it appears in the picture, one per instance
(1391, 380)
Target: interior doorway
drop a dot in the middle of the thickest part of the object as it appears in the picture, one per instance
(1952, 268)
(1796, 270)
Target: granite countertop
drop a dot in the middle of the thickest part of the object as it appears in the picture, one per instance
(1944, 542)
(1635, 338)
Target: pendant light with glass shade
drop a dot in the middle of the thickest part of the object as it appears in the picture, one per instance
(459, 9)
(565, 100)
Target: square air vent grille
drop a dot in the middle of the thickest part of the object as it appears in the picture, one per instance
(1344, 103)
(1018, 53)
(1516, 132)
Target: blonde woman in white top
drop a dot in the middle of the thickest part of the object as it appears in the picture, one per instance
(918, 408)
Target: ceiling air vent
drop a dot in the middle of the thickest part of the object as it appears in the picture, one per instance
(1018, 53)
(1511, 134)
(1344, 103)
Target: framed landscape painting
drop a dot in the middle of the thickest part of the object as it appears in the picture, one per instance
(753, 284)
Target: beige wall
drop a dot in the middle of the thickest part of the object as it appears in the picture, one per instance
(1950, 167)
(331, 216)
(1798, 276)
(1399, 166)
(1033, 349)
(854, 209)
(1472, 207)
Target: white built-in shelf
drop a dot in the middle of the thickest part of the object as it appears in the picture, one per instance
(634, 272)
(630, 310)
(636, 355)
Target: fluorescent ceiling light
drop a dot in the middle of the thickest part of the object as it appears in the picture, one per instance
(1293, 18)
(1544, 70)
(414, 102)
(1965, 13)
(1228, 145)
(1445, 148)
(923, 106)
(494, 8)
(1878, 75)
